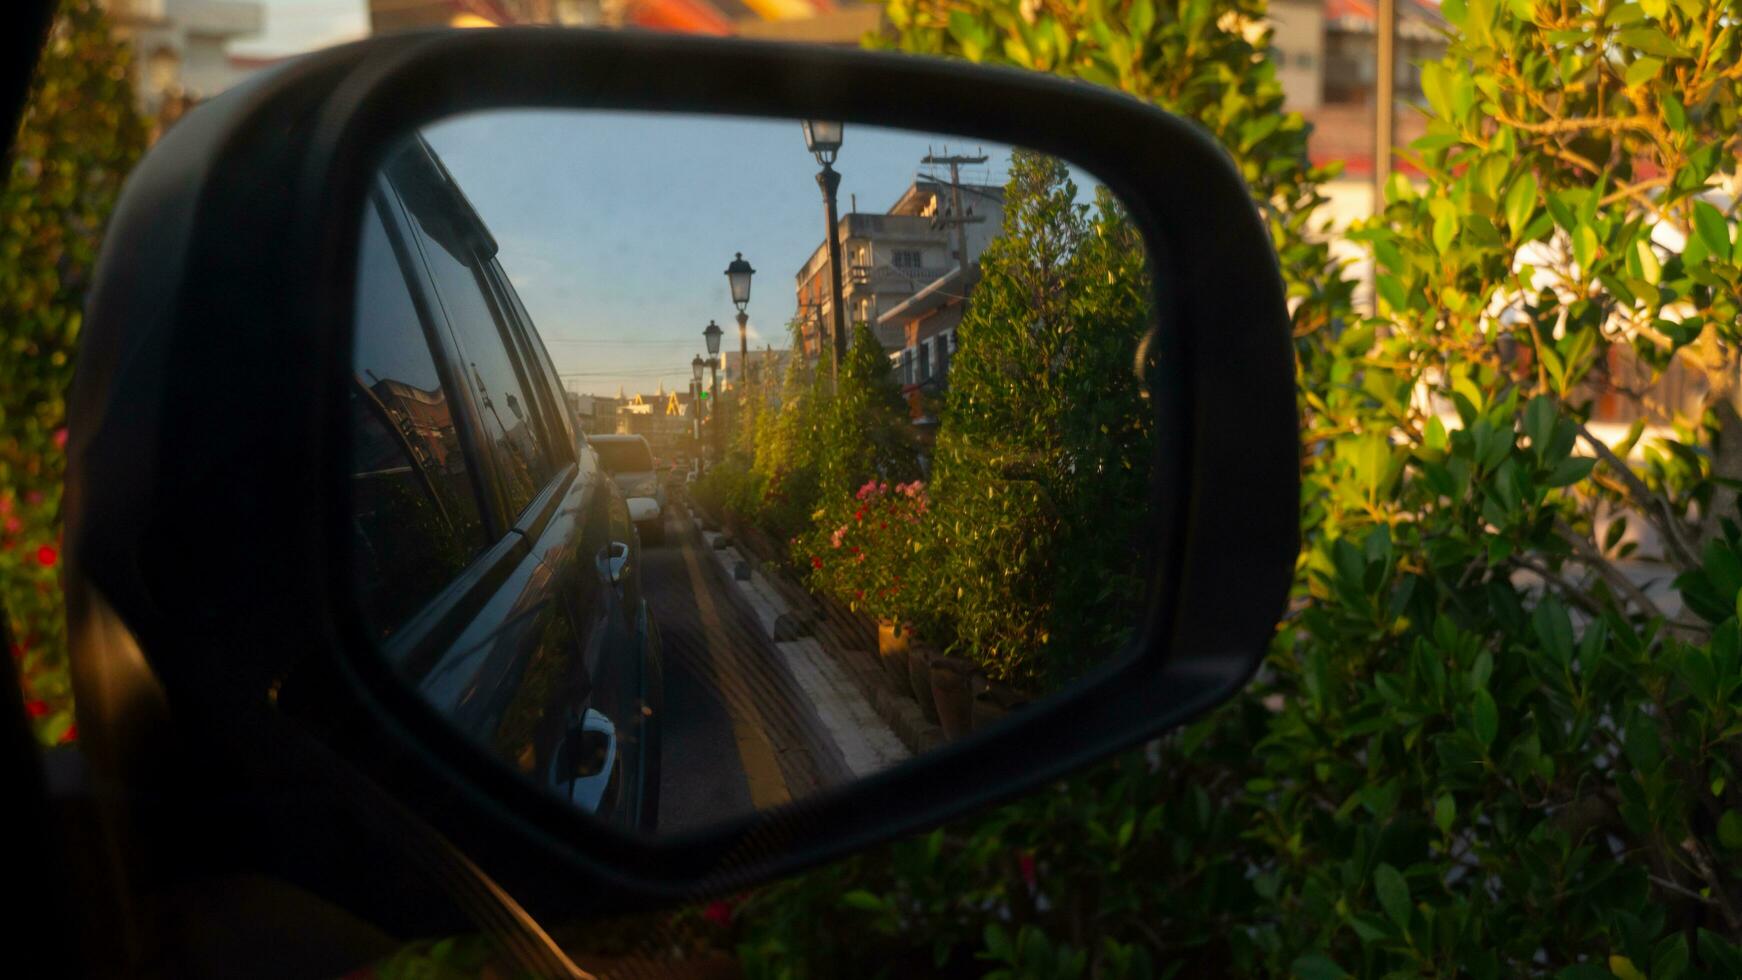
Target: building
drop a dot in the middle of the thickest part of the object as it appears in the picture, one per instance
(887, 258)
(181, 48)
(764, 363)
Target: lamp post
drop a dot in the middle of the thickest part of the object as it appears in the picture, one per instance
(823, 139)
(696, 403)
(738, 274)
(711, 334)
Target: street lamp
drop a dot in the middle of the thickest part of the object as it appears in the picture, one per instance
(738, 274)
(711, 334)
(823, 139)
(696, 366)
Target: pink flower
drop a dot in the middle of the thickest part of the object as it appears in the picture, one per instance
(46, 555)
(13, 524)
(36, 709)
(60, 438)
(1025, 866)
(835, 538)
(816, 562)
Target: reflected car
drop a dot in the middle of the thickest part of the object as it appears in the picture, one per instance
(495, 562)
(629, 460)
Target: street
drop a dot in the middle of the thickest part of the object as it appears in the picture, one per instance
(738, 733)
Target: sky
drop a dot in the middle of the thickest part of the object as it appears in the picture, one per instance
(616, 228)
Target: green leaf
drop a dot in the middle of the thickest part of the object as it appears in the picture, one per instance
(1623, 967)
(1445, 215)
(1713, 230)
(1730, 830)
(1485, 718)
(1650, 270)
(1585, 247)
(1393, 893)
(1655, 9)
(864, 901)
(1445, 811)
(1521, 204)
(1317, 966)
(1571, 470)
(1642, 70)
(1650, 40)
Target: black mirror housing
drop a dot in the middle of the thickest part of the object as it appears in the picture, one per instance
(205, 497)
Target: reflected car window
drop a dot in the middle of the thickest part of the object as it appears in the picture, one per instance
(508, 415)
(627, 456)
(414, 512)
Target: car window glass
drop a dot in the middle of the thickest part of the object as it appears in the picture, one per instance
(629, 456)
(564, 427)
(414, 511)
(507, 412)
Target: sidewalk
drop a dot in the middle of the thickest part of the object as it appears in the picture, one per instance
(843, 700)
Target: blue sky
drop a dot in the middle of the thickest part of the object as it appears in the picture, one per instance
(616, 227)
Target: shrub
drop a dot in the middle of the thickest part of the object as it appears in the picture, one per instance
(1478, 746)
(76, 142)
(870, 550)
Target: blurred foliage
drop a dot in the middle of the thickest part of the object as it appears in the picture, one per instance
(75, 144)
(1479, 747)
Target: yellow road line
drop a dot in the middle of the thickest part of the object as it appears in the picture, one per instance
(761, 768)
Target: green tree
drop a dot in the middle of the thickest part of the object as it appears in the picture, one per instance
(1044, 448)
(79, 137)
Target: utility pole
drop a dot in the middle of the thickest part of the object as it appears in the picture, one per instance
(957, 217)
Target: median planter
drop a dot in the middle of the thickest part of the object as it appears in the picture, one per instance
(952, 690)
(919, 660)
(892, 647)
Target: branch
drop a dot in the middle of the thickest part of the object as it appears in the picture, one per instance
(1593, 559)
(1575, 596)
(1555, 126)
(1652, 505)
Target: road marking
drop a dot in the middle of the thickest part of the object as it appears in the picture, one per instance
(761, 768)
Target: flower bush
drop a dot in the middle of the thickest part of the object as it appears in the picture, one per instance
(870, 550)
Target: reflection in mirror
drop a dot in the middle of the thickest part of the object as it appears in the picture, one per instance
(682, 507)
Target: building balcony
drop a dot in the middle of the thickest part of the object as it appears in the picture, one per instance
(895, 276)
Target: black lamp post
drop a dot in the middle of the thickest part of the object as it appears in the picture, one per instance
(712, 336)
(738, 274)
(823, 139)
(696, 366)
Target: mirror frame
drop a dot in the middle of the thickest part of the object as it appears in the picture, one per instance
(312, 712)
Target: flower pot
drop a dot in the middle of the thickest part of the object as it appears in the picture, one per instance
(952, 689)
(994, 703)
(919, 680)
(892, 644)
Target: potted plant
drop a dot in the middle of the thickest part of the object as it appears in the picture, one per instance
(861, 551)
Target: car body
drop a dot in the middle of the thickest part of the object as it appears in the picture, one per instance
(629, 460)
(467, 468)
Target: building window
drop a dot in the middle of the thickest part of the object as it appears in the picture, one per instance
(925, 361)
(905, 258)
(946, 346)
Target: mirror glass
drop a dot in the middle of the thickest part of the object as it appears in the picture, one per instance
(682, 507)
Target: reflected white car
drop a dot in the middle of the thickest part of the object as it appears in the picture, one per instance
(629, 460)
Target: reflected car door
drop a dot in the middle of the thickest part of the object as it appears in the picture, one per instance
(511, 657)
(625, 670)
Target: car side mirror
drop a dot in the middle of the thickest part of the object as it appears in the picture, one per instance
(384, 602)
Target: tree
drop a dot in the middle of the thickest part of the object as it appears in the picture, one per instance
(79, 137)
(1044, 447)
